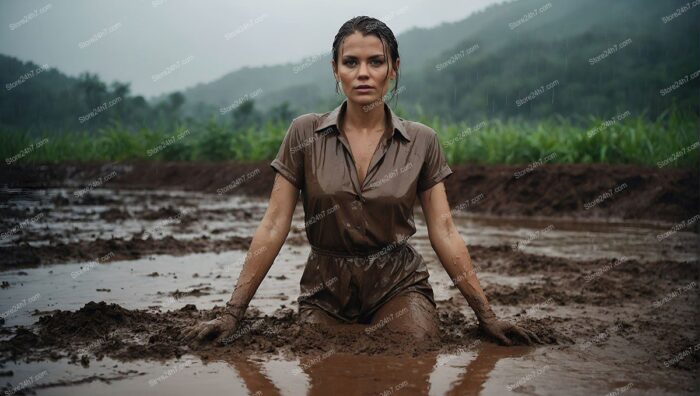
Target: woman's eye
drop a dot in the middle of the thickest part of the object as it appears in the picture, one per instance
(374, 62)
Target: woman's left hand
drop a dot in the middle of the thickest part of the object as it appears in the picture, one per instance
(501, 330)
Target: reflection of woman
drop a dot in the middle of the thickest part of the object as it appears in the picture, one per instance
(378, 374)
(360, 168)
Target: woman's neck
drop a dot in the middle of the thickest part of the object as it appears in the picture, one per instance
(364, 119)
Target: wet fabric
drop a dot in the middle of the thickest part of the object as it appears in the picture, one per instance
(352, 289)
(346, 221)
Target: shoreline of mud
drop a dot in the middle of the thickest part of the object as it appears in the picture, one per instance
(577, 191)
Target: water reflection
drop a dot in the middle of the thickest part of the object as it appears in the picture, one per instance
(252, 374)
(343, 373)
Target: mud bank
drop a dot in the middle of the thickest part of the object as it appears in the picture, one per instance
(25, 255)
(100, 329)
(567, 190)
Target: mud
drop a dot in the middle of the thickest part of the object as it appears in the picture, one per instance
(604, 282)
(128, 224)
(101, 329)
(549, 190)
(600, 296)
(26, 255)
(590, 298)
(108, 379)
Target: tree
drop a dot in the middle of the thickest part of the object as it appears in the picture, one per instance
(245, 115)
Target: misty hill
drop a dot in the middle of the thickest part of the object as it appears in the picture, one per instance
(528, 58)
(516, 53)
(37, 97)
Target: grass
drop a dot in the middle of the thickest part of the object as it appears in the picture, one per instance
(625, 140)
(619, 140)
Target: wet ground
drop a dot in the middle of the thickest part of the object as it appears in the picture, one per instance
(576, 191)
(96, 282)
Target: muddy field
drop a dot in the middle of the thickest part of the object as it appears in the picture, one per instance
(98, 279)
(576, 191)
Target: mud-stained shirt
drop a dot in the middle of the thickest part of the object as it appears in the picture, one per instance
(342, 215)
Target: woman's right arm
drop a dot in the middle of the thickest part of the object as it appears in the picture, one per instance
(266, 244)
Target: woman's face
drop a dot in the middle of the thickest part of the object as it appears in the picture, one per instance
(362, 63)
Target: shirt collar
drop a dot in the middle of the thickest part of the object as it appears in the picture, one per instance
(332, 119)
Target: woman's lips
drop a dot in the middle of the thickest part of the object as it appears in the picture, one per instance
(363, 89)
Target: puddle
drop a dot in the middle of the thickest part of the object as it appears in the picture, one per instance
(489, 370)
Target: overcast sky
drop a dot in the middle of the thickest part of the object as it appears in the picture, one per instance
(165, 45)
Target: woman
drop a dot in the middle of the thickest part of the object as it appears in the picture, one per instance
(360, 168)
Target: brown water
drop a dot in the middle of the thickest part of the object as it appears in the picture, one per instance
(484, 369)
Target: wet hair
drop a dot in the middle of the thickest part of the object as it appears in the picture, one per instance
(368, 25)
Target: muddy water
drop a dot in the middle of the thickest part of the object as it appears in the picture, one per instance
(579, 240)
(489, 370)
(598, 361)
(67, 216)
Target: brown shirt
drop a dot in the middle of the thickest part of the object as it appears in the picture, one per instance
(340, 214)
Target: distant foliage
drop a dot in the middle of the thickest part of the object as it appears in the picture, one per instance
(671, 139)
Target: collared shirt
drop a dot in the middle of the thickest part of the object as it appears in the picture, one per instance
(342, 215)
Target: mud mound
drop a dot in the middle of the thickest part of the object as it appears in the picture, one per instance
(101, 329)
(90, 320)
(25, 255)
(22, 342)
(197, 291)
(564, 282)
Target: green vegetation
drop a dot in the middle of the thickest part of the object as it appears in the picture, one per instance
(626, 139)
(206, 142)
(618, 140)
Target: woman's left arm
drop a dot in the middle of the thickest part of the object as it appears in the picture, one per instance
(453, 254)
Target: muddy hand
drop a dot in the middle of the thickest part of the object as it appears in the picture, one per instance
(509, 334)
(222, 327)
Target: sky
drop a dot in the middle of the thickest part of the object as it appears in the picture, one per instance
(159, 46)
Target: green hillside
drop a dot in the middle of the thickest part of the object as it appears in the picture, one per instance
(554, 45)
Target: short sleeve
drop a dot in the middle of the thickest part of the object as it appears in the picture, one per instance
(435, 168)
(290, 158)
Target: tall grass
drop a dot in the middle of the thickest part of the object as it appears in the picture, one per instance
(626, 140)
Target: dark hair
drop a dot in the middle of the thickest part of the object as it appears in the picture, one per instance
(368, 25)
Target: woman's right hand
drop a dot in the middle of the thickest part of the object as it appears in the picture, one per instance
(221, 328)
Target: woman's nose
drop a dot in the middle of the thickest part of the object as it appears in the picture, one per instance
(364, 69)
